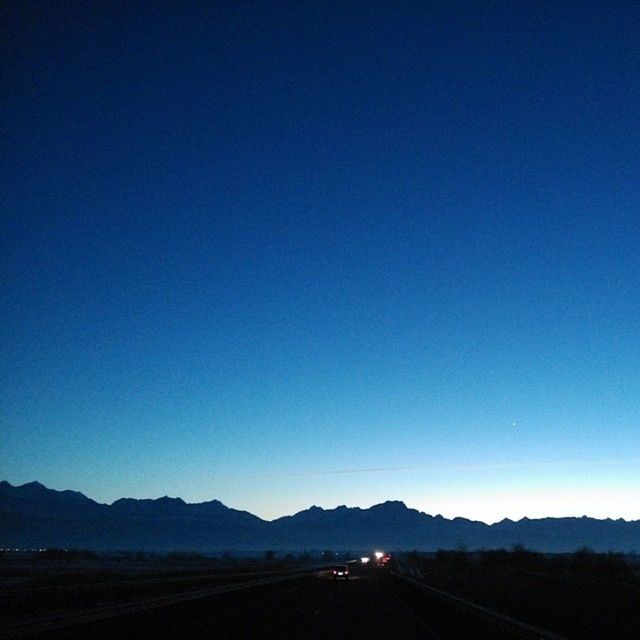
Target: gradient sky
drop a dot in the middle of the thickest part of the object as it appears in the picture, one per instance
(283, 254)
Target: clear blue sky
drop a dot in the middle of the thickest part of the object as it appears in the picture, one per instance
(284, 254)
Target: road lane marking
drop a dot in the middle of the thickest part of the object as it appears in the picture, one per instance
(488, 614)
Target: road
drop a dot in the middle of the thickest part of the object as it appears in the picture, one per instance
(373, 604)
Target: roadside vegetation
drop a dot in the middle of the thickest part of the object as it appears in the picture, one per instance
(51, 567)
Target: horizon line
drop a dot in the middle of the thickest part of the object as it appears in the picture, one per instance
(631, 520)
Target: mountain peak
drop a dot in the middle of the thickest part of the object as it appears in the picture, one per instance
(34, 486)
(391, 505)
(169, 500)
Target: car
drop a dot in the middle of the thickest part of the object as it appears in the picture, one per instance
(340, 571)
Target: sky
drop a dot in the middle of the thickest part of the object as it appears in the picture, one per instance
(282, 254)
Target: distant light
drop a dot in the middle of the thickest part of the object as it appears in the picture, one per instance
(378, 554)
(365, 559)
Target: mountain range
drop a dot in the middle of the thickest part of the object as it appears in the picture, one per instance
(33, 516)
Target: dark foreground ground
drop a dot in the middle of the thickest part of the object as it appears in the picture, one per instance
(287, 603)
(371, 605)
(582, 595)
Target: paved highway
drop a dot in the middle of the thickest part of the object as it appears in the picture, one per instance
(373, 604)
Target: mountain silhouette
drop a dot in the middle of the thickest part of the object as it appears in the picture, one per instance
(33, 516)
